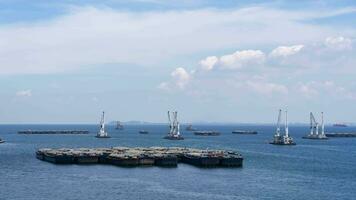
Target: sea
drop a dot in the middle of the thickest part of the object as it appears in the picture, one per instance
(312, 169)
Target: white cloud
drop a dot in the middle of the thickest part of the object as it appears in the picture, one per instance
(266, 88)
(243, 58)
(92, 36)
(284, 51)
(338, 43)
(208, 63)
(181, 77)
(24, 93)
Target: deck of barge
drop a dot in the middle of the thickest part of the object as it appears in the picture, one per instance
(153, 156)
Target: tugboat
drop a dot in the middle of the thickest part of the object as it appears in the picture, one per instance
(314, 129)
(174, 133)
(278, 139)
(102, 133)
(119, 126)
(143, 132)
(190, 128)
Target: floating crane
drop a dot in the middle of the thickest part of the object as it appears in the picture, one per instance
(174, 127)
(278, 139)
(314, 128)
(102, 133)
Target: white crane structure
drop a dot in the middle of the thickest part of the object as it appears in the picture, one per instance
(314, 128)
(174, 127)
(102, 133)
(278, 139)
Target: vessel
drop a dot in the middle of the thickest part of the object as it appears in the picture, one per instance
(244, 132)
(190, 128)
(1, 141)
(143, 131)
(174, 133)
(207, 133)
(49, 132)
(119, 126)
(340, 125)
(340, 134)
(285, 139)
(141, 156)
(102, 133)
(314, 129)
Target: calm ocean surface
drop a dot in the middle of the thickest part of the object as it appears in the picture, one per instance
(310, 170)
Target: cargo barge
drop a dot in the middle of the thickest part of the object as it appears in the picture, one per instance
(74, 132)
(340, 134)
(207, 133)
(244, 132)
(152, 156)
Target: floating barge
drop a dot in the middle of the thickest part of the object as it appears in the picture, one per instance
(340, 134)
(53, 132)
(207, 133)
(244, 132)
(152, 156)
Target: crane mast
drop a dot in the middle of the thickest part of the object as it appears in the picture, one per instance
(278, 131)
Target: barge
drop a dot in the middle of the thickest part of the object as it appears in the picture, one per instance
(207, 133)
(244, 132)
(340, 134)
(152, 156)
(49, 132)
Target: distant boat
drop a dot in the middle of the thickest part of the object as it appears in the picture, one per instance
(340, 125)
(119, 126)
(190, 128)
(102, 133)
(207, 133)
(143, 132)
(1, 141)
(244, 132)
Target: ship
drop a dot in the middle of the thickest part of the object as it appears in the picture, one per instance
(143, 131)
(174, 133)
(102, 133)
(285, 139)
(2, 141)
(244, 132)
(340, 125)
(207, 133)
(314, 129)
(119, 126)
(190, 128)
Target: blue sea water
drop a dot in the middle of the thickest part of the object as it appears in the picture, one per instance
(310, 170)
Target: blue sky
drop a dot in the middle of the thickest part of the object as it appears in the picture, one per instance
(218, 61)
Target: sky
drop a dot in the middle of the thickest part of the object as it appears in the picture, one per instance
(212, 61)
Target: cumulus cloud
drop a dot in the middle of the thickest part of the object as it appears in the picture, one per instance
(243, 58)
(208, 63)
(24, 93)
(338, 43)
(90, 36)
(266, 88)
(181, 77)
(329, 88)
(284, 51)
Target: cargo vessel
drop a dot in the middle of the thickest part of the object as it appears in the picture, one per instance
(207, 133)
(102, 133)
(315, 134)
(244, 132)
(143, 131)
(190, 128)
(285, 139)
(340, 134)
(340, 125)
(139, 156)
(49, 132)
(119, 126)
